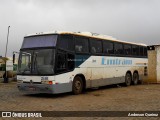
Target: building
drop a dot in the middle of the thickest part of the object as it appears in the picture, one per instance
(154, 64)
(10, 73)
(2, 63)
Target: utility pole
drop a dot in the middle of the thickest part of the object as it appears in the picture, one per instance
(6, 79)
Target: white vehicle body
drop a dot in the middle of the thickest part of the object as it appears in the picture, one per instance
(95, 70)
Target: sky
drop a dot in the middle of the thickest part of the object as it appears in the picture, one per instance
(128, 20)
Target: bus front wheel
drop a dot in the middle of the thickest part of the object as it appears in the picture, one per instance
(77, 86)
(128, 79)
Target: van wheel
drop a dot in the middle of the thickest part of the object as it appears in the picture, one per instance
(135, 78)
(128, 79)
(77, 86)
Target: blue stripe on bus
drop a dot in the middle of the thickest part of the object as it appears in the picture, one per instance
(80, 59)
(116, 61)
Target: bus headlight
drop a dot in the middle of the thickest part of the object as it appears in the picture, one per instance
(47, 82)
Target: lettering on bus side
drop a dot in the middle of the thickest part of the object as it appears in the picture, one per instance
(115, 61)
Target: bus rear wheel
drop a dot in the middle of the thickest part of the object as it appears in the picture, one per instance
(77, 86)
(135, 78)
(128, 79)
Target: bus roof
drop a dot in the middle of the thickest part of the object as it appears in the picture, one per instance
(85, 34)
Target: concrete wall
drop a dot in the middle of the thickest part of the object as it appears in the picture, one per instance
(158, 64)
(154, 65)
(152, 58)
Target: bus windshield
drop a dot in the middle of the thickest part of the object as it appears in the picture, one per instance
(36, 62)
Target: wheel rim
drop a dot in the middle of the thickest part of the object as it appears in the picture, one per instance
(78, 85)
(135, 78)
(128, 79)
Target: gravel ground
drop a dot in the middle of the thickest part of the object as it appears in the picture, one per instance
(109, 98)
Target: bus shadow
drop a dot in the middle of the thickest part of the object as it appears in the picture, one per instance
(104, 88)
(108, 87)
(45, 95)
(62, 95)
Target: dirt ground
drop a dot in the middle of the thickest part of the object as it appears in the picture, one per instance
(108, 98)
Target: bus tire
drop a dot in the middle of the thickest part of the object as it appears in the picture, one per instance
(128, 79)
(135, 78)
(77, 86)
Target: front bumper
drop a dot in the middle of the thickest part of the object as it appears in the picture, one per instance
(44, 88)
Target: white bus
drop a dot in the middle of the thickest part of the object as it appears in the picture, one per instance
(59, 62)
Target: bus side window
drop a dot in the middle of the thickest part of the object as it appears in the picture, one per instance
(135, 50)
(145, 51)
(118, 48)
(81, 45)
(127, 49)
(66, 42)
(70, 60)
(65, 62)
(96, 46)
(108, 47)
(61, 62)
(141, 51)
